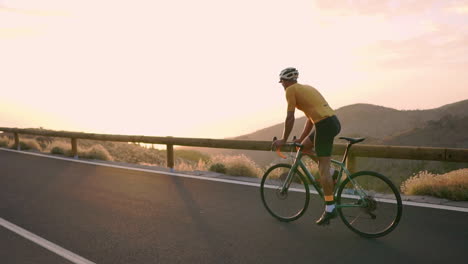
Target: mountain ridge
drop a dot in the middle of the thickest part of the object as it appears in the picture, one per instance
(376, 123)
(380, 126)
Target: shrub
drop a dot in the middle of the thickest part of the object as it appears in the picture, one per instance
(59, 148)
(238, 165)
(4, 142)
(452, 185)
(97, 152)
(44, 142)
(218, 167)
(29, 144)
(131, 153)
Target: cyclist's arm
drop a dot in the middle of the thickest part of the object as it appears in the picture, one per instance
(307, 129)
(288, 125)
(289, 122)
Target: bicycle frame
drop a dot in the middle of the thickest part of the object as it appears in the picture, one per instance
(357, 194)
(298, 163)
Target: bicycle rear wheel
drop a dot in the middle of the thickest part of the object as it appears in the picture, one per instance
(288, 205)
(370, 204)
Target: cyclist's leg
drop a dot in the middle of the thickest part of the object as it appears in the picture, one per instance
(327, 184)
(326, 131)
(326, 180)
(323, 146)
(324, 136)
(308, 147)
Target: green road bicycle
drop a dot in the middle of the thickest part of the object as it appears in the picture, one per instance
(367, 202)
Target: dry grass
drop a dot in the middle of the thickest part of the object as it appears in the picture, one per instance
(95, 152)
(191, 155)
(186, 160)
(131, 153)
(183, 165)
(238, 165)
(190, 160)
(29, 144)
(59, 147)
(452, 185)
(25, 143)
(4, 142)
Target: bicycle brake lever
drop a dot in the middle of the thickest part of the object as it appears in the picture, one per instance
(278, 150)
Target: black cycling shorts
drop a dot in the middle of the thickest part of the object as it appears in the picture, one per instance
(323, 135)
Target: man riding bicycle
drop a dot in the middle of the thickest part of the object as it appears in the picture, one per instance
(319, 115)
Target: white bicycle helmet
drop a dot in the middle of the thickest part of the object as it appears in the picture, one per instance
(289, 73)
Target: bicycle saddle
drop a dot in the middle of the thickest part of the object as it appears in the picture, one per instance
(353, 140)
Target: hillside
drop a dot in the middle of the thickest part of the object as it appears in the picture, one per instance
(372, 121)
(445, 126)
(449, 131)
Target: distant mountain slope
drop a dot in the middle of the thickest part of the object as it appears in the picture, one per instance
(377, 123)
(446, 126)
(449, 131)
(457, 109)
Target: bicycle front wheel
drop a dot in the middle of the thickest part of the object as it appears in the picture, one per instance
(285, 204)
(369, 204)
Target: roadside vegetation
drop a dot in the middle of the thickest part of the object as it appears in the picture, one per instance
(185, 160)
(4, 142)
(451, 185)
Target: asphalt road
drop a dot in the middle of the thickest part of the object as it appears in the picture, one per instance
(110, 215)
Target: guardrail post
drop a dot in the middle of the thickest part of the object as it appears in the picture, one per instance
(170, 156)
(74, 148)
(17, 142)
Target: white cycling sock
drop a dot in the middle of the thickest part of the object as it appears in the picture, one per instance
(329, 208)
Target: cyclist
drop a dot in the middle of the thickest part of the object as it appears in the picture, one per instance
(319, 114)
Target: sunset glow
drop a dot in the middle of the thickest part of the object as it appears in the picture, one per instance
(210, 68)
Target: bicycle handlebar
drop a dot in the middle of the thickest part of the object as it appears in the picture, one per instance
(290, 144)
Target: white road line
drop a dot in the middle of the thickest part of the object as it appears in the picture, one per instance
(436, 206)
(409, 203)
(44, 243)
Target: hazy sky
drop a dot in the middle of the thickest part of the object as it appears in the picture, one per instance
(209, 68)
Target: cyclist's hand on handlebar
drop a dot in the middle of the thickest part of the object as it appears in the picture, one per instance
(297, 141)
(277, 144)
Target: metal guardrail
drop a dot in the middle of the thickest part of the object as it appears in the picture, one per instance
(374, 151)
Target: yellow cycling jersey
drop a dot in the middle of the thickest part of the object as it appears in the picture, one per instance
(307, 99)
